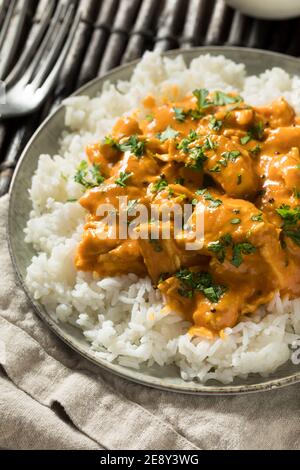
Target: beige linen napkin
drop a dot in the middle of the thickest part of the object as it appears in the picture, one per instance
(51, 398)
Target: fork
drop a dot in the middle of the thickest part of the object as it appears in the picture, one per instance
(35, 74)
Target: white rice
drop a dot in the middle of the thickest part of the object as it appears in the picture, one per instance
(122, 317)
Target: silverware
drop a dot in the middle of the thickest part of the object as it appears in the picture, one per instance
(35, 74)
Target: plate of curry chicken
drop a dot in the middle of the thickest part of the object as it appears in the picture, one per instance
(155, 220)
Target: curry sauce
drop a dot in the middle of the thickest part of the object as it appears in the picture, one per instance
(242, 163)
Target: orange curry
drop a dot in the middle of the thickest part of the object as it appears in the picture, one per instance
(242, 163)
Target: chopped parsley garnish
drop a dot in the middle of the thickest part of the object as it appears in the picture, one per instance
(198, 157)
(159, 185)
(239, 250)
(149, 117)
(294, 235)
(244, 140)
(180, 115)
(239, 179)
(199, 282)
(208, 197)
(109, 140)
(219, 247)
(215, 169)
(134, 145)
(229, 157)
(222, 99)
(209, 144)
(124, 176)
(72, 200)
(184, 144)
(289, 215)
(169, 133)
(219, 98)
(257, 218)
(255, 132)
(255, 150)
(194, 114)
(235, 221)
(89, 177)
(201, 95)
(215, 124)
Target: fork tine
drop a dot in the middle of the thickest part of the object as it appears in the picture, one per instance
(31, 47)
(7, 20)
(27, 76)
(3, 12)
(55, 49)
(51, 79)
(10, 36)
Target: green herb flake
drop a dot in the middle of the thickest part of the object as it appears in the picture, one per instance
(257, 217)
(169, 133)
(199, 282)
(215, 169)
(184, 144)
(244, 140)
(239, 179)
(219, 247)
(222, 99)
(215, 124)
(197, 157)
(208, 197)
(133, 145)
(160, 184)
(235, 221)
(201, 95)
(180, 115)
(239, 250)
(209, 144)
(256, 150)
(88, 177)
(124, 176)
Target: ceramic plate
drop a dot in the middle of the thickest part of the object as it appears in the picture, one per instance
(45, 140)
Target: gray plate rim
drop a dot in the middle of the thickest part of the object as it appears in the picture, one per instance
(194, 388)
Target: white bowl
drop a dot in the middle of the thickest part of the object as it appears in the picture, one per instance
(267, 9)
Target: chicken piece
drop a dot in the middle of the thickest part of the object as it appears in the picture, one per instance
(234, 229)
(125, 127)
(278, 114)
(124, 259)
(108, 195)
(281, 182)
(141, 170)
(225, 295)
(231, 166)
(104, 155)
(162, 255)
